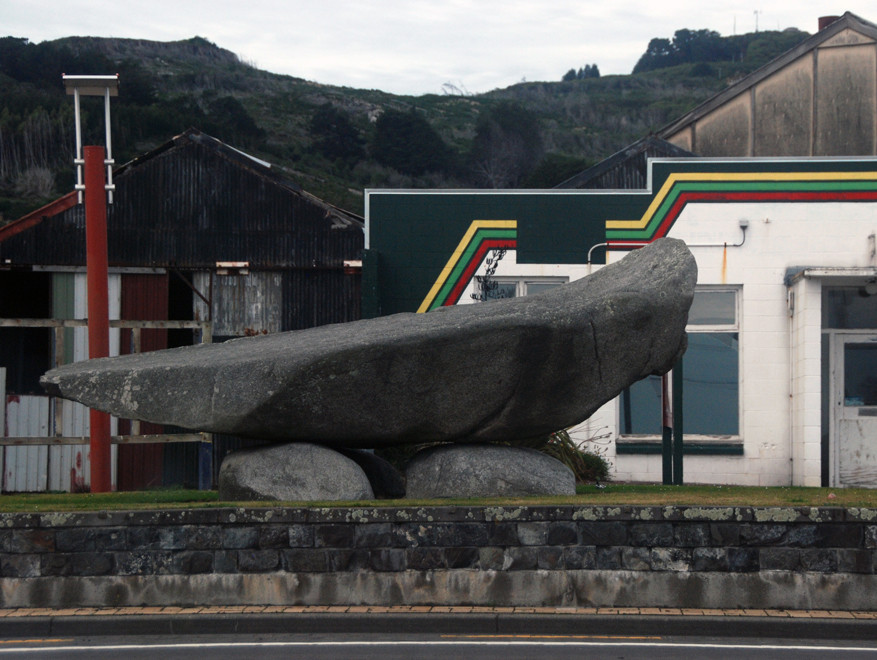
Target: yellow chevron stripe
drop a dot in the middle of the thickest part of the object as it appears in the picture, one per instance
(474, 227)
(675, 178)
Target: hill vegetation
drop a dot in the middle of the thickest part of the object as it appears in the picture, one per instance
(336, 141)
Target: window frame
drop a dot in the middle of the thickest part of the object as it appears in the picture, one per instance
(697, 442)
(521, 282)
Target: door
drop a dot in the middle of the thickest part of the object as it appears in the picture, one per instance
(854, 398)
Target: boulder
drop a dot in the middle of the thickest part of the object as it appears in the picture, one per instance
(493, 371)
(486, 470)
(295, 472)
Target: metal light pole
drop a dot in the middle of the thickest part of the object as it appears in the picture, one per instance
(98, 191)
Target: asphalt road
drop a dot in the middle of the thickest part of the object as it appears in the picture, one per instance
(429, 646)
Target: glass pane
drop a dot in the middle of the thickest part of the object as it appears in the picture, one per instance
(710, 385)
(641, 407)
(860, 374)
(538, 287)
(494, 290)
(848, 308)
(713, 308)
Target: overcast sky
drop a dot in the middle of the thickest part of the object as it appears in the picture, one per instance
(416, 46)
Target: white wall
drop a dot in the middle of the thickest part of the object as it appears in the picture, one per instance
(780, 389)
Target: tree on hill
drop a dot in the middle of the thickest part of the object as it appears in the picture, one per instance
(334, 135)
(765, 46)
(554, 169)
(507, 145)
(408, 143)
(230, 121)
(692, 46)
(588, 71)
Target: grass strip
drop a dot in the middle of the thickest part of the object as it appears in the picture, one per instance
(610, 495)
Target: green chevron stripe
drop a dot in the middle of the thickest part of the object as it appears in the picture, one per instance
(466, 257)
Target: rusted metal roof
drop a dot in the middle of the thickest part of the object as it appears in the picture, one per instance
(33, 218)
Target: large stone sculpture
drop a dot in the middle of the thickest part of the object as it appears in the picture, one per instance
(495, 371)
(501, 370)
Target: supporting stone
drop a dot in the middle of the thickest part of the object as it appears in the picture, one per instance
(484, 470)
(295, 472)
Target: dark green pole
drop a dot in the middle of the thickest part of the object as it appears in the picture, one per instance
(677, 423)
(626, 412)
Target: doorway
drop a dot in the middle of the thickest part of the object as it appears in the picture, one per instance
(853, 391)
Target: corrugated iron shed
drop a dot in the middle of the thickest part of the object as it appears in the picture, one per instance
(198, 230)
(188, 204)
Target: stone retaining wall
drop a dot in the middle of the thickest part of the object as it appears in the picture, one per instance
(801, 558)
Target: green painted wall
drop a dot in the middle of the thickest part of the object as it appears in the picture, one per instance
(413, 234)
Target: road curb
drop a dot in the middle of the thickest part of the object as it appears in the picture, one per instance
(499, 624)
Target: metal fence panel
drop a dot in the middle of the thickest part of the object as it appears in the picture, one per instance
(26, 468)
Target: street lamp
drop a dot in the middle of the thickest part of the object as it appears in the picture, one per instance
(96, 187)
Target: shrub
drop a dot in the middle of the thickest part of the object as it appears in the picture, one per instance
(586, 465)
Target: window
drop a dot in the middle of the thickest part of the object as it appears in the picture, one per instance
(494, 288)
(860, 381)
(848, 308)
(711, 374)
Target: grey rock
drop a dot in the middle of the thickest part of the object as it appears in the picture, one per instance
(493, 371)
(292, 472)
(486, 470)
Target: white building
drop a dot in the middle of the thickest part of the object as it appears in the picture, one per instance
(780, 377)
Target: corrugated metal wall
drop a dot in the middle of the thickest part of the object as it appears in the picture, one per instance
(26, 469)
(63, 467)
(318, 297)
(68, 464)
(143, 298)
(69, 467)
(41, 468)
(278, 301)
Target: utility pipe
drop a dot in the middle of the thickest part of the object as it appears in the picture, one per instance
(98, 305)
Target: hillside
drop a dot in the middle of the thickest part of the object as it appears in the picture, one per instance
(334, 141)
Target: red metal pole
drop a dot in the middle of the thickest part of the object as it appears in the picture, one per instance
(98, 304)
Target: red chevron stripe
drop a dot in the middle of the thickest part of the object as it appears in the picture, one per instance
(761, 196)
(472, 266)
